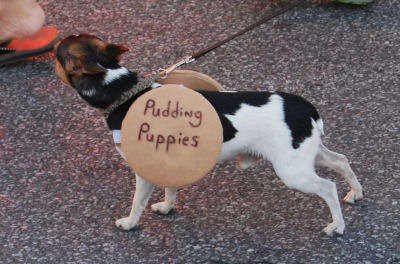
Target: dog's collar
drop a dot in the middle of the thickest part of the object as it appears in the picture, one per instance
(141, 85)
(117, 132)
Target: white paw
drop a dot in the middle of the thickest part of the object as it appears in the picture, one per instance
(125, 223)
(353, 196)
(333, 228)
(162, 207)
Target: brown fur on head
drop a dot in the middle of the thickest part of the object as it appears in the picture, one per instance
(78, 55)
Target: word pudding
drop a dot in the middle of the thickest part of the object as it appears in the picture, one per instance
(164, 116)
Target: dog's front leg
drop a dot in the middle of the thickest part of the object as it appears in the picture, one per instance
(140, 199)
(169, 202)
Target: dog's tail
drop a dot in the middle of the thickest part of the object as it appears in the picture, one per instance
(320, 125)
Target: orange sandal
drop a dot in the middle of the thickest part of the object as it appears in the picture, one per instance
(19, 49)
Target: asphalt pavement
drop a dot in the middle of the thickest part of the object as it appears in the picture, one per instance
(62, 184)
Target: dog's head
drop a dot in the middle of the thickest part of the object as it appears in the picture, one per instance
(79, 55)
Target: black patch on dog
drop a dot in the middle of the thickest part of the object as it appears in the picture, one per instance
(229, 131)
(298, 114)
(226, 103)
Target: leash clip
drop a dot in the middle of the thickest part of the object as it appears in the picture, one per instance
(165, 72)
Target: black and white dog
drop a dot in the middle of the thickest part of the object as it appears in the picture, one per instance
(282, 128)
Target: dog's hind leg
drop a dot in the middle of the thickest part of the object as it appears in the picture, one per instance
(169, 202)
(339, 163)
(143, 192)
(308, 181)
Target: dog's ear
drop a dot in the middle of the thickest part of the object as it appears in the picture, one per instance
(79, 66)
(115, 51)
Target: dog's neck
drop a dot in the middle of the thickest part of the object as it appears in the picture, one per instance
(101, 90)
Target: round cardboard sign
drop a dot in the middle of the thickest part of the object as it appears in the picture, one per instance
(172, 136)
(193, 80)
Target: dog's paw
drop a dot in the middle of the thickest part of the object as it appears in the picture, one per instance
(353, 196)
(162, 208)
(125, 223)
(334, 228)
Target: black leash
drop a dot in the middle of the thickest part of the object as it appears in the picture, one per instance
(150, 79)
(203, 52)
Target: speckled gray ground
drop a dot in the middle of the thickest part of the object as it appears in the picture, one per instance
(62, 185)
